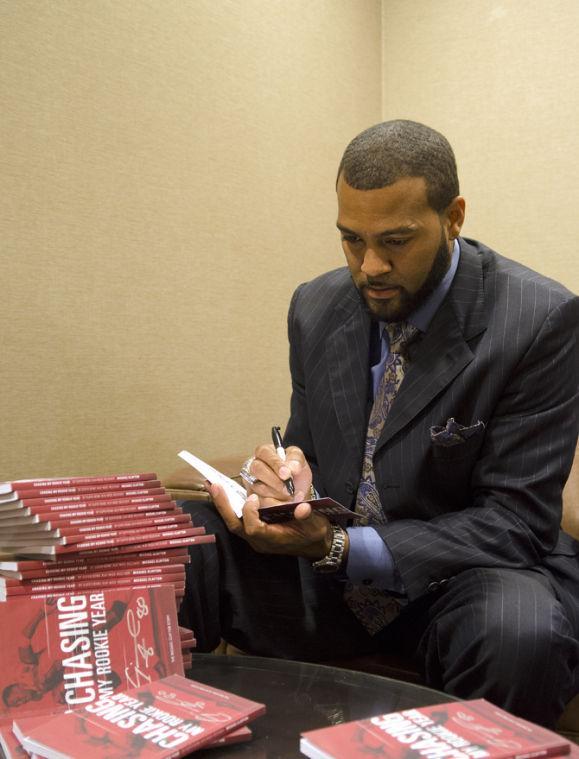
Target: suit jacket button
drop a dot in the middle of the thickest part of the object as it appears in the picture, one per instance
(349, 487)
(432, 587)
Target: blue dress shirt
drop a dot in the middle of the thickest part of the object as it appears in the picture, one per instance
(369, 559)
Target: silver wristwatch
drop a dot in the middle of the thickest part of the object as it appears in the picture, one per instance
(332, 561)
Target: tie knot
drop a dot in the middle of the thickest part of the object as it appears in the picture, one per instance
(399, 334)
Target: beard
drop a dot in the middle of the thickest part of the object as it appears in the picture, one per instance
(405, 303)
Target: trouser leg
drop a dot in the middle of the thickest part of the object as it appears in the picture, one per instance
(264, 604)
(502, 635)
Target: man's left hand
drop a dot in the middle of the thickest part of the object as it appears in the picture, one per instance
(307, 534)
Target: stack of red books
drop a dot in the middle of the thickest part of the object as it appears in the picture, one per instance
(69, 529)
(170, 717)
(74, 651)
(77, 534)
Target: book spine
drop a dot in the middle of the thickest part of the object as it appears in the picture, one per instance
(115, 506)
(84, 497)
(124, 588)
(74, 535)
(81, 481)
(52, 492)
(144, 556)
(73, 575)
(91, 583)
(153, 546)
(121, 524)
(116, 515)
(88, 564)
(127, 539)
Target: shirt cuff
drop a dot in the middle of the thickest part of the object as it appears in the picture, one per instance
(370, 561)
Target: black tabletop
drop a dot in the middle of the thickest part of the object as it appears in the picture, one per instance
(301, 697)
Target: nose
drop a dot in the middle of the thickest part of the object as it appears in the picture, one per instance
(374, 264)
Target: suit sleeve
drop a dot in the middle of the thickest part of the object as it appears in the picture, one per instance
(298, 428)
(513, 512)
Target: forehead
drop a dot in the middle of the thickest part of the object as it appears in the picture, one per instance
(403, 203)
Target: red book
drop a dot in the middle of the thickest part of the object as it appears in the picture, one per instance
(89, 582)
(50, 492)
(90, 544)
(283, 512)
(115, 521)
(178, 590)
(113, 568)
(65, 651)
(160, 544)
(36, 503)
(11, 739)
(462, 729)
(142, 558)
(9, 487)
(168, 718)
(80, 508)
(168, 508)
(72, 535)
(73, 575)
(110, 508)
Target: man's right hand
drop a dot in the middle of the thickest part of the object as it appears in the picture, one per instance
(271, 474)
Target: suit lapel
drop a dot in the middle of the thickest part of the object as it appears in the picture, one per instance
(347, 355)
(443, 351)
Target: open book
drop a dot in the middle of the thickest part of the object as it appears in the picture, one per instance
(281, 512)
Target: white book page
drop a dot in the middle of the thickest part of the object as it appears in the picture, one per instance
(235, 493)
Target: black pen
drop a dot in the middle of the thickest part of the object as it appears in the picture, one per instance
(276, 437)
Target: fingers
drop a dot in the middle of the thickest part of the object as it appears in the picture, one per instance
(302, 511)
(271, 473)
(232, 522)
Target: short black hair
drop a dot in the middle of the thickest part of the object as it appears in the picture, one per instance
(386, 152)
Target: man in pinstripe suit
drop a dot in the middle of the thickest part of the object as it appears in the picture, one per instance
(468, 467)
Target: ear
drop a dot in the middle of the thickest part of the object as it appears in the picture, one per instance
(455, 216)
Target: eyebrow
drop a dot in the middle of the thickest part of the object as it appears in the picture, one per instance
(403, 230)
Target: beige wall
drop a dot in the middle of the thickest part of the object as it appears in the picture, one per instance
(167, 170)
(500, 78)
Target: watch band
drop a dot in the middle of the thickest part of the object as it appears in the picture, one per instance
(332, 561)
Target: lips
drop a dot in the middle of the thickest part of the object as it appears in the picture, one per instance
(381, 293)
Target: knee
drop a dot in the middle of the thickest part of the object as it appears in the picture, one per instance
(509, 624)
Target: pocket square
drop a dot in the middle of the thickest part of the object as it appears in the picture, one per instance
(454, 433)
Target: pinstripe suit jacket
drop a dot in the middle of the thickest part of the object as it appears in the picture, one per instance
(503, 348)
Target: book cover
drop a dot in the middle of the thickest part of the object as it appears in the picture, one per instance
(473, 729)
(167, 718)
(283, 512)
(12, 739)
(68, 650)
